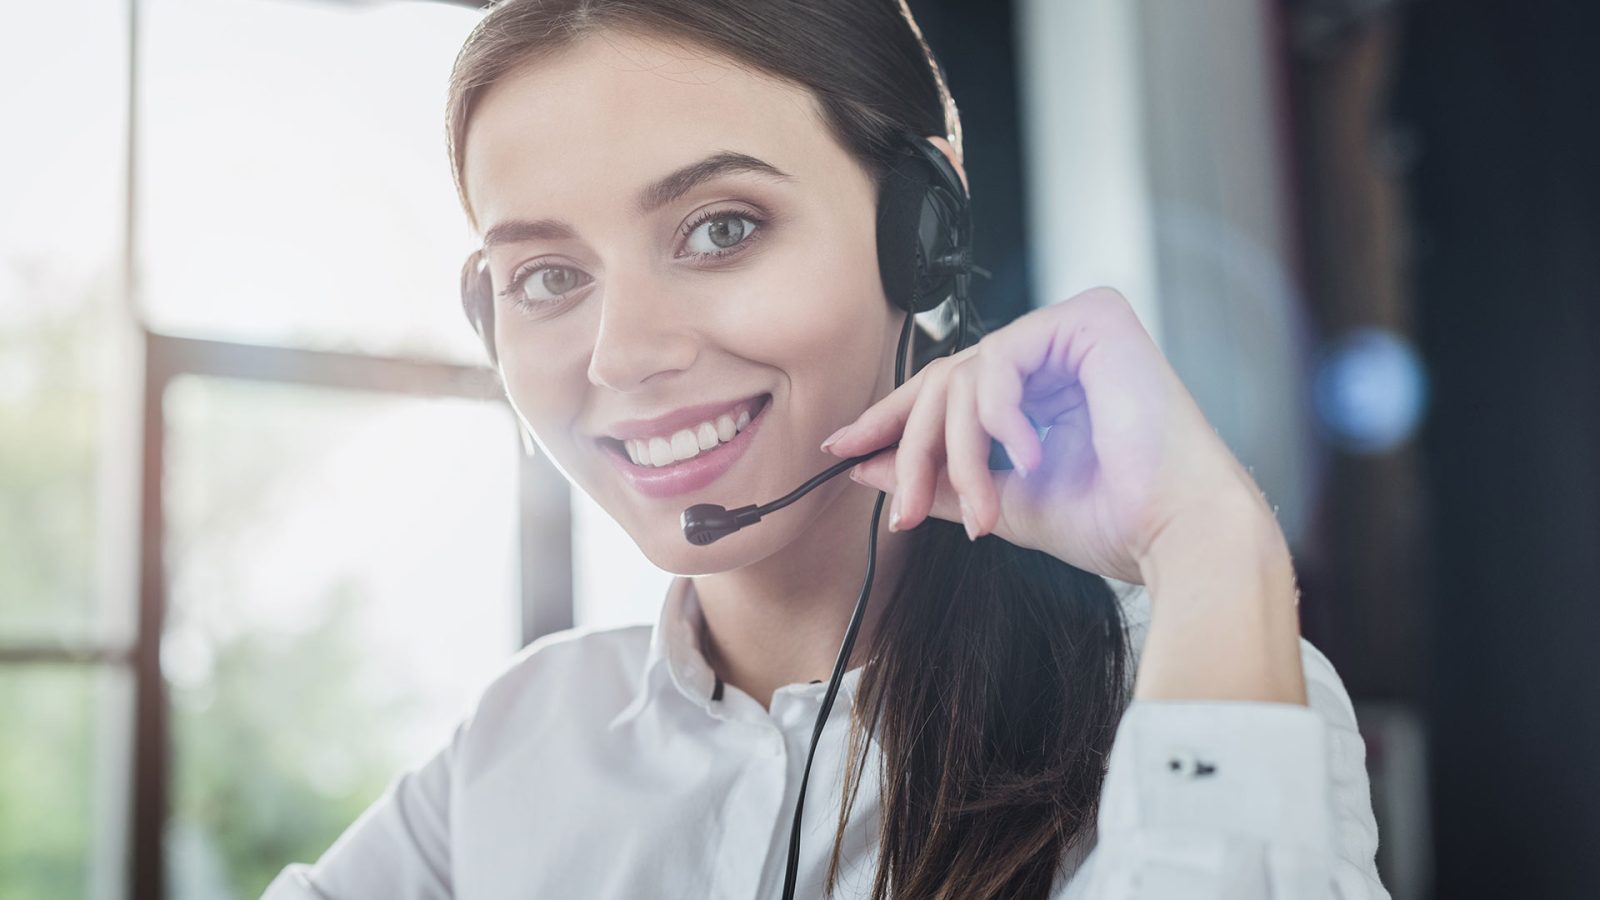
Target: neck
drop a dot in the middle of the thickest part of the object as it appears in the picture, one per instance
(783, 619)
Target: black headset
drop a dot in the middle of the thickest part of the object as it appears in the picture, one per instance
(924, 232)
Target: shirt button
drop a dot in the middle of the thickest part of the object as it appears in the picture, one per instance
(1183, 763)
(775, 745)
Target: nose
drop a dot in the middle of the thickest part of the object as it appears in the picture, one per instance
(644, 334)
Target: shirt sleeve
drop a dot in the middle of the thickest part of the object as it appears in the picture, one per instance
(1244, 800)
(399, 849)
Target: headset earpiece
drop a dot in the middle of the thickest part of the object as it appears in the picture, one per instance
(477, 300)
(924, 228)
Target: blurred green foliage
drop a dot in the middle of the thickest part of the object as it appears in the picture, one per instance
(275, 756)
(49, 409)
(274, 752)
(46, 794)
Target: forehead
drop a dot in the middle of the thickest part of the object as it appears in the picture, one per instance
(614, 111)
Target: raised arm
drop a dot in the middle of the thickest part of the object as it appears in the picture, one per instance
(1237, 771)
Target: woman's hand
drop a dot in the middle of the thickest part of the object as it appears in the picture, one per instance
(1128, 455)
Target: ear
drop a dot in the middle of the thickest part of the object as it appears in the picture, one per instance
(949, 151)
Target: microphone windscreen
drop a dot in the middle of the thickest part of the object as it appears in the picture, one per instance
(704, 523)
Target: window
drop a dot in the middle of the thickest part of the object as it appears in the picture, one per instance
(265, 523)
(65, 687)
(341, 583)
(293, 183)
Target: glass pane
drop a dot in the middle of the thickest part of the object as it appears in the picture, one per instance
(343, 580)
(64, 752)
(294, 183)
(64, 65)
(61, 202)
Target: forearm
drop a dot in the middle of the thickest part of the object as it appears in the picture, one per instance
(1224, 617)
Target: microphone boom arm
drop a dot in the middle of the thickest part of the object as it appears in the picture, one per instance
(704, 523)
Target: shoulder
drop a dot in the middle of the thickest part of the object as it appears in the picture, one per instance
(588, 654)
(557, 677)
(586, 648)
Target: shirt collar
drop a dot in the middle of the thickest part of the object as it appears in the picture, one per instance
(677, 661)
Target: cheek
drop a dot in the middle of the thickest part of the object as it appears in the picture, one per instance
(821, 317)
(545, 380)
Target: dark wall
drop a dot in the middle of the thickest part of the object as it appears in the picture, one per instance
(1506, 202)
(973, 42)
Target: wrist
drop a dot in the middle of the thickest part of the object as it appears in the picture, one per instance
(1234, 534)
(1222, 600)
(1229, 553)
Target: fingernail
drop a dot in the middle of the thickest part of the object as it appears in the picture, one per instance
(1016, 465)
(894, 514)
(834, 437)
(966, 520)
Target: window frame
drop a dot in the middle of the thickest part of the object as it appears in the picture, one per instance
(544, 544)
(545, 594)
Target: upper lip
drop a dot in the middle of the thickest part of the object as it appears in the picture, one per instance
(677, 420)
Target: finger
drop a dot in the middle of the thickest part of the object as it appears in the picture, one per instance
(999, 383)
(878, 473)
(1096, 341)
(880, 425)
(967, 450)
(921, 454)
(884, 421)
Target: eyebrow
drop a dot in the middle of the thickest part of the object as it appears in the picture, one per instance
(654, 196)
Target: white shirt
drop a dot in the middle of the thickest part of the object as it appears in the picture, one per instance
(598, 766)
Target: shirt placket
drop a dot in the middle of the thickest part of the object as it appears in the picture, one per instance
(755, 797)
(794, 716)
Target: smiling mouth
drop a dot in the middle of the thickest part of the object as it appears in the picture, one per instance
(705, 439)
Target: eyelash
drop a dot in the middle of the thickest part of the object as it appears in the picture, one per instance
(513, 289)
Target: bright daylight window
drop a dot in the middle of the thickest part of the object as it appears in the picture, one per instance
(249, 414)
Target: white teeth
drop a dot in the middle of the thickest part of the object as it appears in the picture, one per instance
(684, 445)
(706, 436)
(660, 452)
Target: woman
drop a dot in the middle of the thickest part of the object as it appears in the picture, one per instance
(678, 201)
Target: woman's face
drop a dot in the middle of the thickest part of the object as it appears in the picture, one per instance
(635, 282)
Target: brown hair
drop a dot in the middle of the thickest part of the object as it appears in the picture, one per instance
(997, 674)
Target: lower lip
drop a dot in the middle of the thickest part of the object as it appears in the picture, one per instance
(691, 474)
